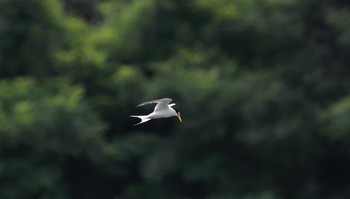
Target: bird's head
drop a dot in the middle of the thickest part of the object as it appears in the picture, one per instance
(178, 114)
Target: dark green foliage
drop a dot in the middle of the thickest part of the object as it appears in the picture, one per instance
(30, 33)
(262, 86)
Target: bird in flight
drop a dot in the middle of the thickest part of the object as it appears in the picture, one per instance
(162, 110)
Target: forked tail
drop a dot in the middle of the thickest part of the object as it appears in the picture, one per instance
(144, 118)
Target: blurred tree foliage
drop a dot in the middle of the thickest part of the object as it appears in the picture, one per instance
(263, 87)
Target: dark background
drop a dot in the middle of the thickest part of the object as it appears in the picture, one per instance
(262, 86)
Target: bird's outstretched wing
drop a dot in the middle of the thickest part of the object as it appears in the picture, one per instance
(163, 100)
(161, 103)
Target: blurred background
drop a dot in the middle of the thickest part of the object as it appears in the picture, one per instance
(262, 86)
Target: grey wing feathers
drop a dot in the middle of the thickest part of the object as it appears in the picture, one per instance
(165, 100)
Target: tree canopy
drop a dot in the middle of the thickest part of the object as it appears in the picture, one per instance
(262, 86)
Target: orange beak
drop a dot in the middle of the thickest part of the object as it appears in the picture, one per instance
(180, 119)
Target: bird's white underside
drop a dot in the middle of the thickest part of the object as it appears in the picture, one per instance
(161, 110)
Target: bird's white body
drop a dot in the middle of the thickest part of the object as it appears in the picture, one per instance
(162, 110)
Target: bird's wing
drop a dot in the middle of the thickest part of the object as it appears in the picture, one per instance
(161, 103)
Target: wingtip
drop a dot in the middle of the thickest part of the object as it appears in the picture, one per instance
(140, 105)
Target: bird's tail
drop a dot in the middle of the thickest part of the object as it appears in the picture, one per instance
(144, 118)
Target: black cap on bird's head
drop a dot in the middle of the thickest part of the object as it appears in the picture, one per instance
(178, 114)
